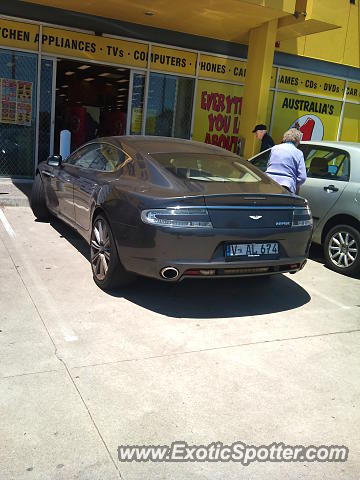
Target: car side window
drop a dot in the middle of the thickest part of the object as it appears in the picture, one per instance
(327, 163)
(84, 157)
(98, 156)
(74, 157)
(261, 160)
(109, 157)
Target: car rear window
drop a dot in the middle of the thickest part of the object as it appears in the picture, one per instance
(207, 167)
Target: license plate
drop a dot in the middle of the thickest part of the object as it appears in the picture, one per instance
(252, 249)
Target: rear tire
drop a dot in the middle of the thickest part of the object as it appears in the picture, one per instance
(37, 200)
(342, 249)
(108, 272)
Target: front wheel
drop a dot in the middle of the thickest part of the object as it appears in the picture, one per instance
(107, 269)
(342, 249)
(37, 200)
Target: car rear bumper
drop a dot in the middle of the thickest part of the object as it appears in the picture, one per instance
(234, 269)
(148, 250)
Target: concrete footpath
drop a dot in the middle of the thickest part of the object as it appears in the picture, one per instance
(15, 194)
(251, 360)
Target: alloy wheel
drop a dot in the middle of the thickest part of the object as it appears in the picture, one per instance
(100, 249)
(343, 249)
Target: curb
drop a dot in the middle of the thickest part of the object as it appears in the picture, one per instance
(15, 194)
(14, 202)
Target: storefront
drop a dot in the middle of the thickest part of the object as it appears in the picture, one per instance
(97, 85)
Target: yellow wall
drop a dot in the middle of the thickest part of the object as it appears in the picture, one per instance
(340, 45)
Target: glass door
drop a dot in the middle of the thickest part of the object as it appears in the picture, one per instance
(136, 103)
(169, 106)
(47, 108)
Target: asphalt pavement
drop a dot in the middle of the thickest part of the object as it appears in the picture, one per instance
(252, 360)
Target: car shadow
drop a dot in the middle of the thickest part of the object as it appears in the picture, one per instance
(71, 236)
(204, 298)
(316, 254)
(24, 187)
(217, 298)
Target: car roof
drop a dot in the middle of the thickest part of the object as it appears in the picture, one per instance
(152, 144)
(332, 143)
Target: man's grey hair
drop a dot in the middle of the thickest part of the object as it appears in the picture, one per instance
(293, 135)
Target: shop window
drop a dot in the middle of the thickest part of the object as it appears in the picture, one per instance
(18, 74)
(350, 131)
(169, 106)
(45, 109)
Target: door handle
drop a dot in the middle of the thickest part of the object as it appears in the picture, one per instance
(332, 188)
(48, 174)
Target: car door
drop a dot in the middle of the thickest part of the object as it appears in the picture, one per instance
(59, 186)
(93, 169)
(261, 160)
(328, 172)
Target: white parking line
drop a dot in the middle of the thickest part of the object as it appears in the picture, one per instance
(325, 297)
(44, 301)
(35, 286)
(7, 225)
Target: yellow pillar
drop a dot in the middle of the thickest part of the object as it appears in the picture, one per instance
(257, 84)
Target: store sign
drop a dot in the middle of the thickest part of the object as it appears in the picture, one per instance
(16, 101)
(353, 92)
(220, 68)
(173, 60)
(317, 119)
(72, 44)
(19, 35)
(301, 82)
(80, 45)
(217, 114)
(226, 69)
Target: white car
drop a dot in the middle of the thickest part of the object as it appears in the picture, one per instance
(333, 192)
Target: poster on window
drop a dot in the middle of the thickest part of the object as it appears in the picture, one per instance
(16, 102)
(217, 114)
(23, 114)
(316, 118)
(8, 100)
(136, 120)
(8, 112)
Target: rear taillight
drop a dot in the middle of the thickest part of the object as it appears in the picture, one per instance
(177, 217)
(302, 217)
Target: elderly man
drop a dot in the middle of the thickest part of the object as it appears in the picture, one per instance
(261, 134)
(286, 164)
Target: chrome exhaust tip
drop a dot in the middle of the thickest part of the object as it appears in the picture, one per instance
(169, 273)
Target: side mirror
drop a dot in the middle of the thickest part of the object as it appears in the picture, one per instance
(54, 160)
